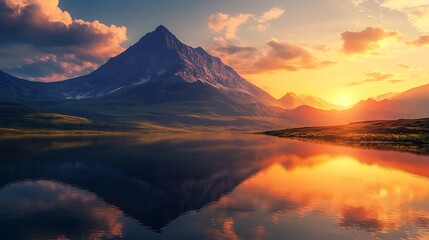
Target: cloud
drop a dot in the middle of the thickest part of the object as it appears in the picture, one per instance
(234, 53)
(52, 44)
(358, 2)
(404, 66)
(287, 56)
(221, 21)
(321, 47)
(229, 47)
(277, 55)
(417, 11)
(379, 76)
(421, 41)
(271, 14)
(375, 77)
(365, 41)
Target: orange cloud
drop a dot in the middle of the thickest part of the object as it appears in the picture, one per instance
(221, 21)
(365, 41)
(321, 47)
(271, 14)
(229, 24)
(287, 56)
(57, 46)
(421, 41)
(277, 55)
(49, 8)
(375, 77)
(234, 53)
(379, 76)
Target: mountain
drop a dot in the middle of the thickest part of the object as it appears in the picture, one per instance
(158, 79)
(413, 103)
(319, 103)
(160, 60)
(292, 101)
(13, 88)
(416, 99)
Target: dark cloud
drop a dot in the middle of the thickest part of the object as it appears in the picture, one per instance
(32, 27)
(51, 44)
(234, 49)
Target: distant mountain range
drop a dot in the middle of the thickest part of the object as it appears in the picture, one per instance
(292, 101)
(160, 80)
(410, 104)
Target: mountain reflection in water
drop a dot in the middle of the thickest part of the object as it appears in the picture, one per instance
(196, 186)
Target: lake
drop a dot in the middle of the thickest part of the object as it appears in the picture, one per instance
(208, 186)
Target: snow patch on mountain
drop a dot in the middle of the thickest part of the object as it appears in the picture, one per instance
(161, 71)
(110, 92)
(142, 81)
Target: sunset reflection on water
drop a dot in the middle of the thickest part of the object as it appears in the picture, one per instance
(357, 200)
(210, 187)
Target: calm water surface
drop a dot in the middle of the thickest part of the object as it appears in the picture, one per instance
(209, 187)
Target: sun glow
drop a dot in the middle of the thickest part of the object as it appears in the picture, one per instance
(344, 100)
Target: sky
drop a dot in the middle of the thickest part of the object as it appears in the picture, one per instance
(341, 50)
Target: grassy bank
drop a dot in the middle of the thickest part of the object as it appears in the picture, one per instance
(410, 135)
(21, 120)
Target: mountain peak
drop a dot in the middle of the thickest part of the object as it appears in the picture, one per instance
(161, 28)
(160, 60)
(160, 37)
(291, 94)
(162, 32)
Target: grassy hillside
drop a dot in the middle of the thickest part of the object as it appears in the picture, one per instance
(404, 134)
(20, 119)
